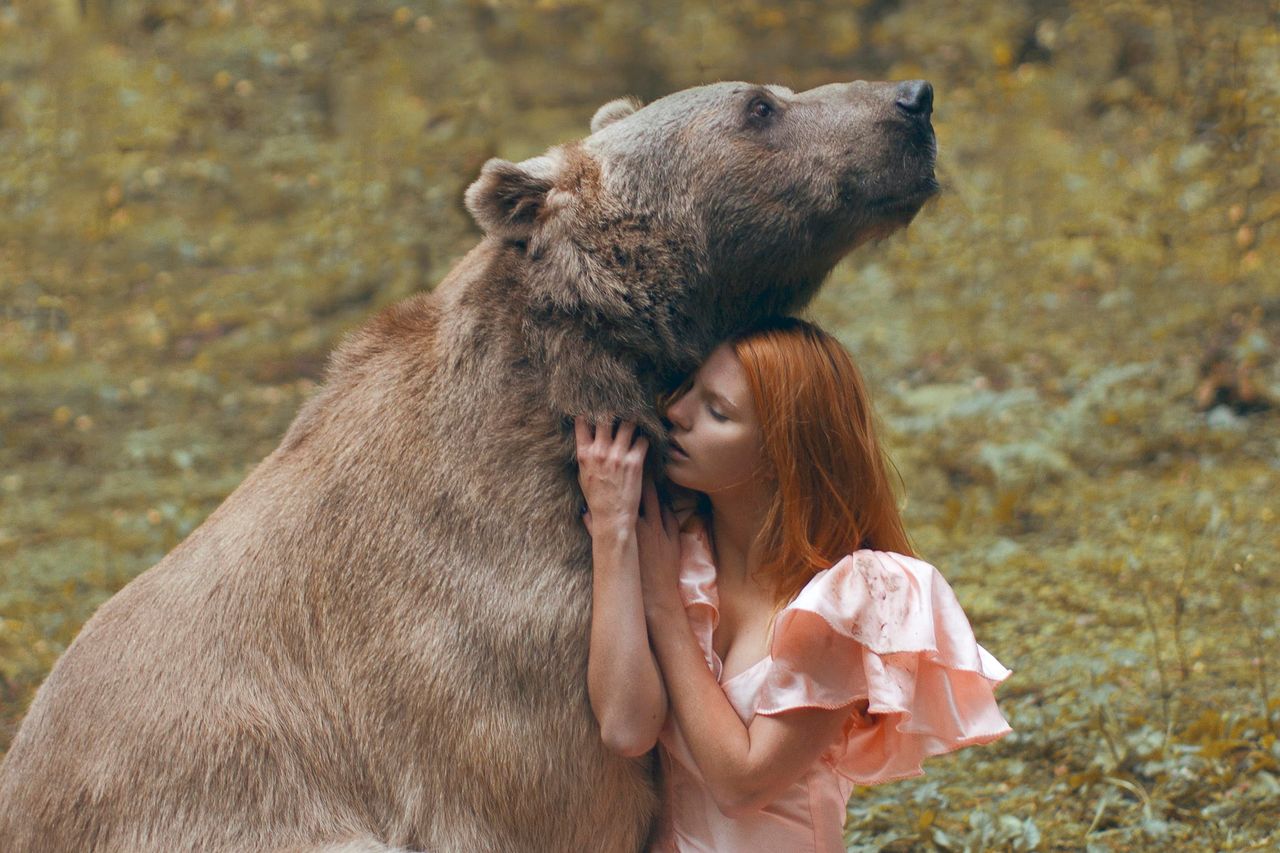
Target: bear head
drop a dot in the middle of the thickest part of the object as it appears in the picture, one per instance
(676, 223)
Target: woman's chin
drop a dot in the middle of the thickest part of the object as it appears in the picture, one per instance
(672, 471)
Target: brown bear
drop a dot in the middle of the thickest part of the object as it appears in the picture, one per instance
(379, 639)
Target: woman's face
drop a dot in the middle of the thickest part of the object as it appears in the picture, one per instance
(716, 438)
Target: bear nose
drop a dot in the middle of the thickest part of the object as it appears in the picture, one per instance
(915, 97)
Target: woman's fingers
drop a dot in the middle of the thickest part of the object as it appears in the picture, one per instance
(597, 443)
(581, 432)
(603, 434)
(606, 432)
(625, 430)
(649, 499)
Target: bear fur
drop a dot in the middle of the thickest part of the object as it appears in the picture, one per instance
(379, 640)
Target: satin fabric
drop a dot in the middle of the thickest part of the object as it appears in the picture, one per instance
(880, 633)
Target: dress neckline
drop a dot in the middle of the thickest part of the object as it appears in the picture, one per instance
(751, 668)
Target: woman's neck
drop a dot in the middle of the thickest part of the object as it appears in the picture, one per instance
(737, 516)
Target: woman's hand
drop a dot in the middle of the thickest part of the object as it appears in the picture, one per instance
(610, 471)
(658, 540)
(680, 499)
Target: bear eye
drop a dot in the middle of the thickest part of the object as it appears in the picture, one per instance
(760, 108)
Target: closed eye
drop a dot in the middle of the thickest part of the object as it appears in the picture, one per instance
(714, 414)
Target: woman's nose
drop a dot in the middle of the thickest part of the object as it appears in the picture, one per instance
(676, 414)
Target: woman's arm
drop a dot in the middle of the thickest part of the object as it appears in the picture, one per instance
(744, 768)
(623, 681)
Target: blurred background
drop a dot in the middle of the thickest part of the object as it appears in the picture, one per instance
(1073, 350)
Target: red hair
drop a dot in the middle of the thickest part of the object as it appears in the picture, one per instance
(819, 431)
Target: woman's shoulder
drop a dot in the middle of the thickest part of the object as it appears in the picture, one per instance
(885, 573)
(882, 633)
(869, 558)
(886, 602)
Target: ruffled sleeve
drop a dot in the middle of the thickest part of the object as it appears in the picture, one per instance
(698, 588)
(884, 634)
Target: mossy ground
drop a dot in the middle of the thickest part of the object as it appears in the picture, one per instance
(201, 198)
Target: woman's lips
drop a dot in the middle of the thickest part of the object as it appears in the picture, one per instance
(677, 450)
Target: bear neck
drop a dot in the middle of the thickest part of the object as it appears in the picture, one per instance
(612, 320)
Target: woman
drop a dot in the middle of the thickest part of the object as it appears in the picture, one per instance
(786, 644)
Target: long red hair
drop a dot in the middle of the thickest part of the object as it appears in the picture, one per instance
(819, 432)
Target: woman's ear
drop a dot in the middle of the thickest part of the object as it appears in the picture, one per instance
(507, 197)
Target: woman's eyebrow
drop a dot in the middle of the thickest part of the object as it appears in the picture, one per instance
(725, 401)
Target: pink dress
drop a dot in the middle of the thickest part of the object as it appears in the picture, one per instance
(879, 632)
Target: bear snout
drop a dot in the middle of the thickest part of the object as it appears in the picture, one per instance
(915, 98)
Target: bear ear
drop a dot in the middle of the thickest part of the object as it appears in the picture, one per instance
(616, 109)
(507, 197)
